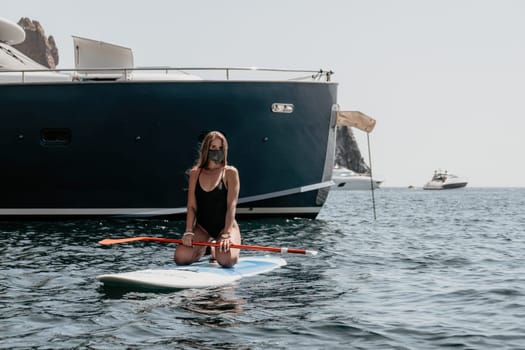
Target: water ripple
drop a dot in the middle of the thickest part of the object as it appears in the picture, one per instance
(435, 270)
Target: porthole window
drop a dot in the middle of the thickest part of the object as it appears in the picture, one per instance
(55, 137)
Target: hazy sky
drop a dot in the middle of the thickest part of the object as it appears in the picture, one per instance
(444, 79)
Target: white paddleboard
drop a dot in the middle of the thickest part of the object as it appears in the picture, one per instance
(198, 275)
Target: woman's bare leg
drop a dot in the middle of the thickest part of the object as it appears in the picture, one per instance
(229, 258)
(188, 255)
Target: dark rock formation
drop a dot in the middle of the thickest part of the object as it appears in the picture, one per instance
(36, 46)
(347, 153)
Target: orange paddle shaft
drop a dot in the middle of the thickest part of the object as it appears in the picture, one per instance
(108, 241)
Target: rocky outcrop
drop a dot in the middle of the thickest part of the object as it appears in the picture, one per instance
(347, 153)
(37, 46)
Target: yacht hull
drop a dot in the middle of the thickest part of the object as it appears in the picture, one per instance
(437, 185)
(124, 148)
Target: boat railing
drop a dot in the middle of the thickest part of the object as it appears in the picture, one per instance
(163, 73)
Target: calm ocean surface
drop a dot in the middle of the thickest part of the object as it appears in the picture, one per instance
(437, 269)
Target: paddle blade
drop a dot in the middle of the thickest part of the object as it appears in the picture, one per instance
(109, 241)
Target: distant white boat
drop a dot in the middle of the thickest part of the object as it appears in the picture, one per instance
(443, 181)
(346, 179)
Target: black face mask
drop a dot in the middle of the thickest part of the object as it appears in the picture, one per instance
(217, 155)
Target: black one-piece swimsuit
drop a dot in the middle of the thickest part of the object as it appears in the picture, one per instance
(211, 207)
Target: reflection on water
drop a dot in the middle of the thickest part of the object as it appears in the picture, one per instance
(207, 301)
(213, 301)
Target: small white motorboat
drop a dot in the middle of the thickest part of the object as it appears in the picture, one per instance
(444, 181)
(346, 179)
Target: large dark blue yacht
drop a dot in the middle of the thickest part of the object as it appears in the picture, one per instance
(109, 139)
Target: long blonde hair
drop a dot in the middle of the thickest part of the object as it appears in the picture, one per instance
(205, 147)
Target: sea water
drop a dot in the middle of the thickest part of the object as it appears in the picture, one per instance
(435, 269)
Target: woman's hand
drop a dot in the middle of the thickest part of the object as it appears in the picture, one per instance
(187, 239)
(224, 243)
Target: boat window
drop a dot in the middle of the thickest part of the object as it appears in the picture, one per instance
(282, 107)
(10, 53)
(55, 137)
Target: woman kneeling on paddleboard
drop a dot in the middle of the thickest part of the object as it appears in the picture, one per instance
(212, 200)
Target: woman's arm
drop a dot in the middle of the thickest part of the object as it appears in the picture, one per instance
(233, 185)
(191, 212)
